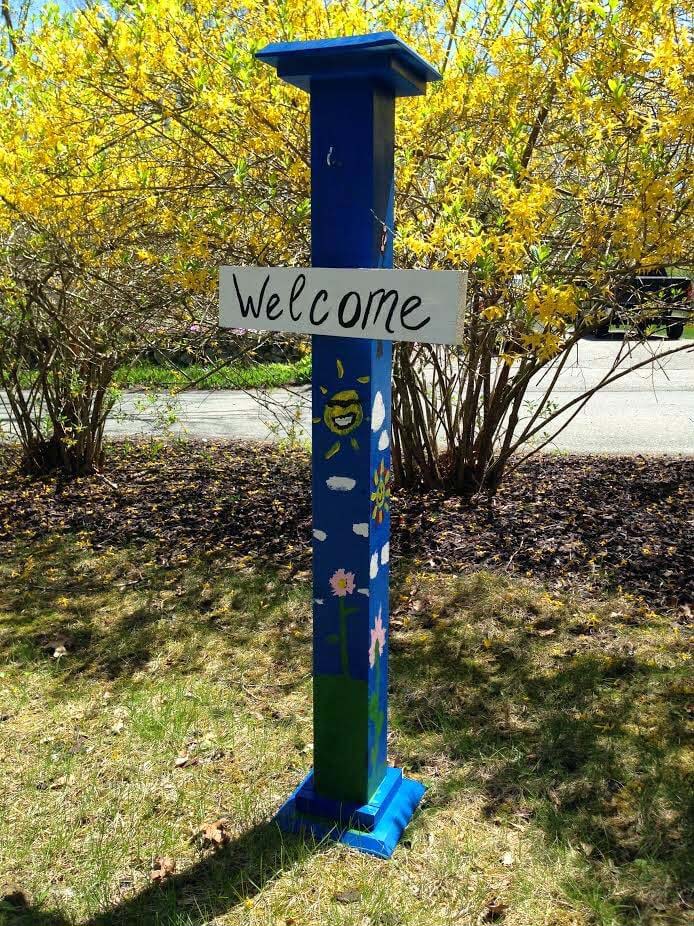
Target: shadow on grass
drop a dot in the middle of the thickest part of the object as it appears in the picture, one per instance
(584, 740)
(577, 728)
(212, 887)
(109, 637)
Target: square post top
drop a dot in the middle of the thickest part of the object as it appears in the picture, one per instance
(380, 57)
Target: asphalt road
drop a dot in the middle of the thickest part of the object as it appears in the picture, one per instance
(648, 411)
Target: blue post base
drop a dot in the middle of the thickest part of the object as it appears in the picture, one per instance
(374, 828)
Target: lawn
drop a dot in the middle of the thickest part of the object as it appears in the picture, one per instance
(155, 703)
(654, 333)
(211, 376)
(148, 375)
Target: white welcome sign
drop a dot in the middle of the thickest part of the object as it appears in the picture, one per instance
(391, 305)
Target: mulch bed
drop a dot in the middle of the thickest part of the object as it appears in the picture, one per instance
(598, 522)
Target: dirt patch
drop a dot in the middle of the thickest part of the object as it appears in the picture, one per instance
(601, 522)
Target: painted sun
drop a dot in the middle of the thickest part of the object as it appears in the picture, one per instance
(343, 412)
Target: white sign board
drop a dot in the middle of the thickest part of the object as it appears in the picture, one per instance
(392, 305)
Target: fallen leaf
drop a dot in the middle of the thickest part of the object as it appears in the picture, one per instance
(79, 745)
(59, 783)
(347, 897)
(207, 597)
(162, 868)
(215, 834)
(495, 910)
(59, 646)
(186, 761)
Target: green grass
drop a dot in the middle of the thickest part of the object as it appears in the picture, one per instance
(549, 730)
(651, 331)
(236, 376)
(146, 374)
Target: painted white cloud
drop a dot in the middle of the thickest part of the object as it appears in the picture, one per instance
(363, 591)
(378, 413)
(385, 553)
(318, 600)
(340, 483)
(373, 568)
(383, 441)
(319, 535)
(362, 530)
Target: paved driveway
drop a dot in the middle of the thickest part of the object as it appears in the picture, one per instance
(649, 411)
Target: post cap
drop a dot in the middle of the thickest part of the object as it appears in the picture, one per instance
(380, 56)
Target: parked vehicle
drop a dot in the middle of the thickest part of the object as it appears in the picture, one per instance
(657, 299)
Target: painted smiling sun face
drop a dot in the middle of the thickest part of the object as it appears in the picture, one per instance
(343, 413)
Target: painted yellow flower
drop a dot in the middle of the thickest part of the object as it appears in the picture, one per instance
(381, 494)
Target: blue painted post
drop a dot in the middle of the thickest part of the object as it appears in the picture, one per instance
(351, 793)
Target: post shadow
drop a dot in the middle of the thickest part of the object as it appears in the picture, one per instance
(209, 888)
(557, 767)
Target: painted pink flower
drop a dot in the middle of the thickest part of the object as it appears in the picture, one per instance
(342, 583)
(378, 638)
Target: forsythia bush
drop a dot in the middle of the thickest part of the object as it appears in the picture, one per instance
(142, 142)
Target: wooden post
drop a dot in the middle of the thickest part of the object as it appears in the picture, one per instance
(351, 792)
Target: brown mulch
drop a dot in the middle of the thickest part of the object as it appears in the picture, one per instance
(594, 521)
